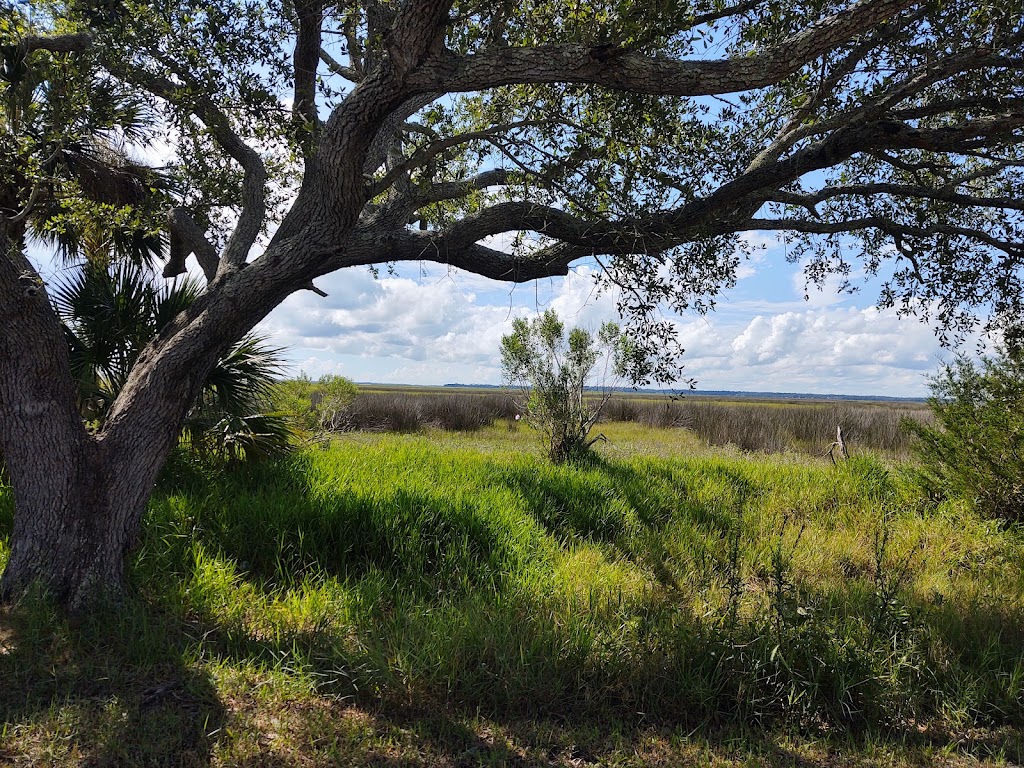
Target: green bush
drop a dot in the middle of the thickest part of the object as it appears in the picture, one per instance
(316, 406)
(974, 449)
(555, 371)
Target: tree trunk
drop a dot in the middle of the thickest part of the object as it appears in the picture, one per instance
(74, 527)
(78, 497)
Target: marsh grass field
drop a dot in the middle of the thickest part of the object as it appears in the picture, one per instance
(754, 424)
(450, 598)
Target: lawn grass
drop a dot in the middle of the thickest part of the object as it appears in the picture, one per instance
(452, 599)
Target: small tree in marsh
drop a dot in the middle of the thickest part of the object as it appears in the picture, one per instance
(554, 371)
(976, 447)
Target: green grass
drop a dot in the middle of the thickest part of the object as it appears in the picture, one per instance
(453, 599)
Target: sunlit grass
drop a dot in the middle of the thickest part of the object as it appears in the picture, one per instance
(294, 605)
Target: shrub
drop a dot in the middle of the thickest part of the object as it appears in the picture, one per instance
(111, 311)
(316, 406)
(554, 370)
(975, 448)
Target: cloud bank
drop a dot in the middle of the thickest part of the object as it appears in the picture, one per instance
(440, 327)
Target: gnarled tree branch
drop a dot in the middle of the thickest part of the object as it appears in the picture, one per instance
(642, 74)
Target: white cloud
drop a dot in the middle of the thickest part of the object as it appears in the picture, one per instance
(844, 350)
(753, 251)
(446, 327)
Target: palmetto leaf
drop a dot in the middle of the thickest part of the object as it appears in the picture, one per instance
(244, 377)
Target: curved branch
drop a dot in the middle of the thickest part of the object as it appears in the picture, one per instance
(253, 202)
(623, 70)
(349, 73)
(73, 43)
(187, 237)
(389, 135)
(887, 226)
(453, 190)
(373, 246)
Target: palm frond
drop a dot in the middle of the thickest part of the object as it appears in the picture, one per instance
(245, 376)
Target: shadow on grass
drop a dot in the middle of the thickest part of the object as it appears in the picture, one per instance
(450, 672)
(113, 690)
(628, 507)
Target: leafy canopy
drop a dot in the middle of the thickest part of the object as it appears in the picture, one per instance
(646, 138)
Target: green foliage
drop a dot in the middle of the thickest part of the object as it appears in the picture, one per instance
(111, 312)
(315, 406)
(109, 315)
(976, 447)
(234, 418)
(64, 123)
(555, 370)
(712, 588)
(466, 574)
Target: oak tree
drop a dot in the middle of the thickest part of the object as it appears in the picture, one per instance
(645, 137)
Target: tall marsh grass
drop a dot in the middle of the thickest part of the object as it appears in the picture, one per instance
(771, 427)
(404, 412)
(768, 427)
(302, 608)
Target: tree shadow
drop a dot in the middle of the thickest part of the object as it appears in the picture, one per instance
(613, 504)
(522, 688)
(114, 689)
(441, 543)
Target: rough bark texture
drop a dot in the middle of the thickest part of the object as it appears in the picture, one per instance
(63, 536)
(79, 497)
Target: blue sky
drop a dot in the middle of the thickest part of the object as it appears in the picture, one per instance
(432, 325)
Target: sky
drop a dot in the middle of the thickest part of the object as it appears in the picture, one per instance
(428, 324)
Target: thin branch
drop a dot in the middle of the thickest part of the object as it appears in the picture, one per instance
(425, 154)
(888, 226)
(349, 73)
(945, 194)
(732, 10)
(253, 202)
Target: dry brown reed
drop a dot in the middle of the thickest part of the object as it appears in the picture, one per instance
(775, 427)
(768, 426)
(410, 412)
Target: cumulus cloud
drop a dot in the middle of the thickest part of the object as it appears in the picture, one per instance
(844, 350)
(440, 327)
(428, 329)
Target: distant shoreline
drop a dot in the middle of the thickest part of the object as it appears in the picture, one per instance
(697, 393)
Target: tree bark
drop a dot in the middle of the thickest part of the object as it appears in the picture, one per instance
(78, 497)
(74, 527)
